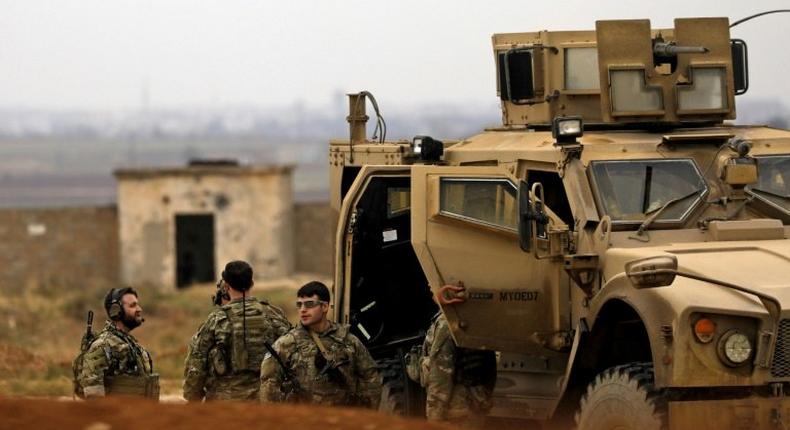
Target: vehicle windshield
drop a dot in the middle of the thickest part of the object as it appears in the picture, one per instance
(629, 191)
(773, 182)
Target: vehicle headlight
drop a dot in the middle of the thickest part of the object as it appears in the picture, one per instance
(567, 128)
(427, 148)
(735, 348)
(416, 145)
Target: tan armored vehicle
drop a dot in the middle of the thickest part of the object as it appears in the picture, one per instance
(621, 245)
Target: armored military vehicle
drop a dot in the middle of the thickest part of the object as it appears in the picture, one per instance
(621, 245)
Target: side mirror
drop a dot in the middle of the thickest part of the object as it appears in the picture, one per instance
(740, 66)
(524, 217)
(652, 272)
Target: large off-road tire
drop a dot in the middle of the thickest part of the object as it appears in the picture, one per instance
(393, 386)
(623, 398)
(399, 396)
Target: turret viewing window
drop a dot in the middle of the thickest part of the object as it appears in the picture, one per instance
(631, 95)
(490, 202)
(581, 69)
(707, 90)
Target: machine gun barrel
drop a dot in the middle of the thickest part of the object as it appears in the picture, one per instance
(663, 49)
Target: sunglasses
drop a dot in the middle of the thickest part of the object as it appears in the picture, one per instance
(308, 304)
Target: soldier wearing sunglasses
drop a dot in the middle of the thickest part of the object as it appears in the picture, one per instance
(330, 365)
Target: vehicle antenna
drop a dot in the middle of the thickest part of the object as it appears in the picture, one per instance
(758, 14)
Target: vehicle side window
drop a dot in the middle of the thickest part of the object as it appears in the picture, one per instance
(554, 193)
(490, 202)
(398, 201)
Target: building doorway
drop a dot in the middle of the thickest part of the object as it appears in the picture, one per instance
(194, 249)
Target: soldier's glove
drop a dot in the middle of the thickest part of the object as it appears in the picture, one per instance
(288, 387)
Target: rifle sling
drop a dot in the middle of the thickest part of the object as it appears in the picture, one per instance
(319, 344)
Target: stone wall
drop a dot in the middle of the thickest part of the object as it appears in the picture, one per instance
(314, 237)
(72, 246)
(63, 247)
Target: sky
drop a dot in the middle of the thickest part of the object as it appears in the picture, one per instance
(125, 54)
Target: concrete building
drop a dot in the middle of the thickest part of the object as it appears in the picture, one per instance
(179, 226)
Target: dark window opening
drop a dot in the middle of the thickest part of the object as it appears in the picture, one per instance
(349, 175)
(554, 193)
(194, 249)
(515, 75)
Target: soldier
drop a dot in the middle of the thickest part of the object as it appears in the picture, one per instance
(458, 381)
(319, 361)
(224, 357)
(115, 363)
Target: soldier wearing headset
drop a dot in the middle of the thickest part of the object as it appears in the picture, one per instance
(115, 363)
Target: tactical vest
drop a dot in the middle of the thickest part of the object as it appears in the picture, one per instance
(248, 334)
(132, 376)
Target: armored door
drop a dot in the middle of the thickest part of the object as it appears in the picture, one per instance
(464, 228)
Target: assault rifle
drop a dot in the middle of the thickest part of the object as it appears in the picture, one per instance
(88, 337)
(331, 368)
(219, 295)
(77, 364)
(290, 385)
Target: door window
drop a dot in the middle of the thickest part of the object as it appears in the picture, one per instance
(491, 202)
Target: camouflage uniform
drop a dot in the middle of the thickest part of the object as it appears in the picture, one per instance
(359, 383)
(116, 364)
(451, 396)
(218, 365)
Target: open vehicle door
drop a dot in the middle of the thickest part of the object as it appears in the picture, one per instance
(465, 228)
(380, 288)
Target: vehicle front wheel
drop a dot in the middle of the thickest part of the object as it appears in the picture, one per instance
(393, 394)
(399, 396)
(624, 398)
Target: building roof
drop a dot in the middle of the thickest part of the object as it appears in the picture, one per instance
(203, 170)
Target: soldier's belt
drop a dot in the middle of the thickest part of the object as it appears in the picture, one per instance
(133, 385)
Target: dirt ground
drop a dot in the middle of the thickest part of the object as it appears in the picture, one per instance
(133, 414)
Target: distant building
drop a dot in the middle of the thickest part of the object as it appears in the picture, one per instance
(179, 226)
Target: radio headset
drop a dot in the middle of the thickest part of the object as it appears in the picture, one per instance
(116, 309)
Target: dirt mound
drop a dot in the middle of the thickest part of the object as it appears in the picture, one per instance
(133, 414)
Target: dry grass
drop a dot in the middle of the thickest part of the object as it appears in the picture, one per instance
(41, 328)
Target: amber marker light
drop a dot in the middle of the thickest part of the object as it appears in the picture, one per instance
(704, 329)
